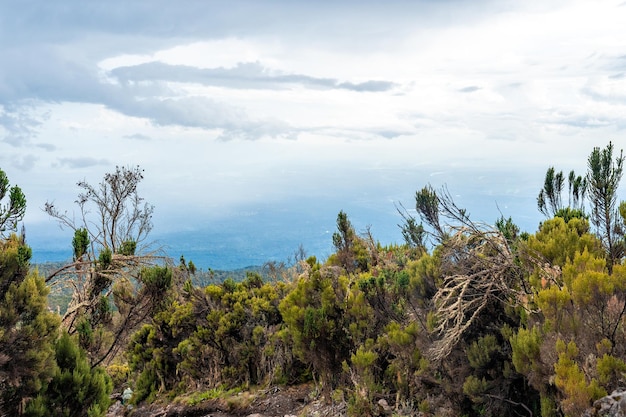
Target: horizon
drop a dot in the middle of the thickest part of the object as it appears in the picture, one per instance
(275, 233)
(257, 110)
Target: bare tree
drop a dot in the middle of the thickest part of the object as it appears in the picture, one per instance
(110, 261)
(477, 265)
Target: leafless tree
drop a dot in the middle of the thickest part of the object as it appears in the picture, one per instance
(477, 265)
(110, 253)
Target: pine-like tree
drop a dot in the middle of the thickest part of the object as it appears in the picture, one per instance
(76, 389)
(27, 328)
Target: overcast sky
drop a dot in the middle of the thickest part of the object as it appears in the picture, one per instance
(234, 105)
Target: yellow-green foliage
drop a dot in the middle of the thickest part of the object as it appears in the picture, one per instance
(424, 274)
(402, 342)
(474, 387)
(587, 277)
(362, 364)
(558, 241)
(119, 373)
(526, 345)
(479, 353)
(610, 369)
(363, 358)
(222, 335)
(569, 378)
(316, 315)
(553, 303)
(27, 329)
(549, 406)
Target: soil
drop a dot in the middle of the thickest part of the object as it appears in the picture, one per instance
(273, 402)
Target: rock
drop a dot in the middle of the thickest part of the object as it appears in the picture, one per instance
(383, 407)
(116, 410)
(613, 405)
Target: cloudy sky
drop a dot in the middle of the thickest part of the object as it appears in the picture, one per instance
(294, 110)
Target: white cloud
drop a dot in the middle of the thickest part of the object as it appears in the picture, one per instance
(340, 100)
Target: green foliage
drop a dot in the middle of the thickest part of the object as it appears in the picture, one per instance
(80, 242)
(12, 211)
(414, 234)
(105, 258)
(157, 279)
(109, 254)
(475, 387)
(119, 373)
(579, 301)
(509, 229)
(427, 206)
(424, 274)
(549, 199)
(85, 334)
(558, 241)
(361, 370)
(526, 346)
(570, 379)
(549, 407)
(27, 328)
(610, 370)
(220, 336)
(568, 213)
(479, 353)
(491, 322)
(315, 314)
(352, 254)
(75, 389)
(603, 177)
(128, 248)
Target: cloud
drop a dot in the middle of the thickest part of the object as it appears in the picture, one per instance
(469, 89)
(138, 136)
(46, 146)
(244, 75)
(20, 123)
(44, 73)
(26, 162)
(205, 113)
(369, 86)
(82, 162)
(25, 83)
(391, 134)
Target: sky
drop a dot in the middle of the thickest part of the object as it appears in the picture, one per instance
(258, 121)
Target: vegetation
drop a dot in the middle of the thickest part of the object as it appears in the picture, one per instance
(111, 276)
(462, 318)
(41, 372)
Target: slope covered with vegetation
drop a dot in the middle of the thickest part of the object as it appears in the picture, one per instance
(461, 318)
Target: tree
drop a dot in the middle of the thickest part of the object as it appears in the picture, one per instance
(603, 177)
(76, 389)
(13, 211)
(549, 200)
(414, 234)
(478, 295)
(575, 319)
(27, 328)
(109, 263)
(315, 313)
(122, 218)
(352, 252)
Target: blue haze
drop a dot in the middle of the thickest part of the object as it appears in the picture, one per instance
(273, 232)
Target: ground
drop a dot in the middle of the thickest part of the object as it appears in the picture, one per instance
(273, 402)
